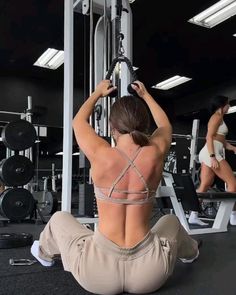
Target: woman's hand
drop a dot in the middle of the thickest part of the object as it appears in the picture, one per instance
(214, 163)
(103, 89)
(140, 89)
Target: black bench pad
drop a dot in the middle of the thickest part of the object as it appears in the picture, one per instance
(217, 196)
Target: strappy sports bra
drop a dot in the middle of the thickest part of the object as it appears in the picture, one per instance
(150, 194)
(223, 129)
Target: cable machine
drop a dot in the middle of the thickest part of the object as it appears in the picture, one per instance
(111, 38)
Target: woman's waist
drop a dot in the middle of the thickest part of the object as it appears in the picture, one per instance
(124, 237)
(133, 245)
(216, 142)
(219, 138)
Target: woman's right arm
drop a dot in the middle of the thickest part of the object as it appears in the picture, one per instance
(162, 136)
(212, 128)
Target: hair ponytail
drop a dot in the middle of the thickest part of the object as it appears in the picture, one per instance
(139, 138)
(129, 115)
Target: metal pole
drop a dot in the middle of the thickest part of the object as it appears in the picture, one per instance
(29, 107)
(127, 30)
(28, 116)
(193, 147)
(68, 105)
(187, 136)
(11, 113)
(53, 178)
(91, 67)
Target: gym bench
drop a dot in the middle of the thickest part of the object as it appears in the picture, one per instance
(181, 191)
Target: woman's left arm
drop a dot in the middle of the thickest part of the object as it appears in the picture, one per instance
(86, 137)
(230, 147)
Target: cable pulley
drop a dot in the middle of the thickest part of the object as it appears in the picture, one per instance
(121, 58)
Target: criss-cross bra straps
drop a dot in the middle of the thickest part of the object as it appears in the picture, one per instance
(130, 164)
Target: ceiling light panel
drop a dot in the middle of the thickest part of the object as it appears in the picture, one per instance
(171, 82)
(231, 110)
(215, 14)
(50, 59)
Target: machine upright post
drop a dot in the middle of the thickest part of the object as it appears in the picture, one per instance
(193, 147)
(68, 105)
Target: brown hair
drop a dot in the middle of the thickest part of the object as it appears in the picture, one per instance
(218, 101)
(129, 114)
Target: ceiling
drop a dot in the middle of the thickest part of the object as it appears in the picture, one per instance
(164, 43)
(170, 45)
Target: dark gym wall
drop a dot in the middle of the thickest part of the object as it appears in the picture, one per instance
(186, 107)
(47, 99)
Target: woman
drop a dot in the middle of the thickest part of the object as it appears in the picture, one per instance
(211, 155)
(123, 250)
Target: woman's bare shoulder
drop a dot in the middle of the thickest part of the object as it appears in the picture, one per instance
(215, 119)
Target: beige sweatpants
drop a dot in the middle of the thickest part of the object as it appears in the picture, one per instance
(102, 267)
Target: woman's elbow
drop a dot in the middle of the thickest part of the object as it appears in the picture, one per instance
(74, 122)
(209, 137)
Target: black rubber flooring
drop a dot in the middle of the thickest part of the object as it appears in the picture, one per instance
(214, 273)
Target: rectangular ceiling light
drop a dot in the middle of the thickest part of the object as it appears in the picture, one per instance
(74, 154)
(215, 14)
(234, 35)
(231, 110)
(50, 59)
(59, 154)
(171, 82)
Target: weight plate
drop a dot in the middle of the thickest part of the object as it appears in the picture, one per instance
(16, 203)
(19, 135)
(16, 170)
(46, 202)
(14, 240)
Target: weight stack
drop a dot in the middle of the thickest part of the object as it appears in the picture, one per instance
(86, 200)
(86, 190)
(182, 154)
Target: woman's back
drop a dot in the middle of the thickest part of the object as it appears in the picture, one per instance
(126, 224)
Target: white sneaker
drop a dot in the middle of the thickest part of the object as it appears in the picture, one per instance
(35, 252)
(184, 260)
(197, 221)
(194, 219)
(232, 219)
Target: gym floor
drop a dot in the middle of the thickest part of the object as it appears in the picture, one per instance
(212, 274)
